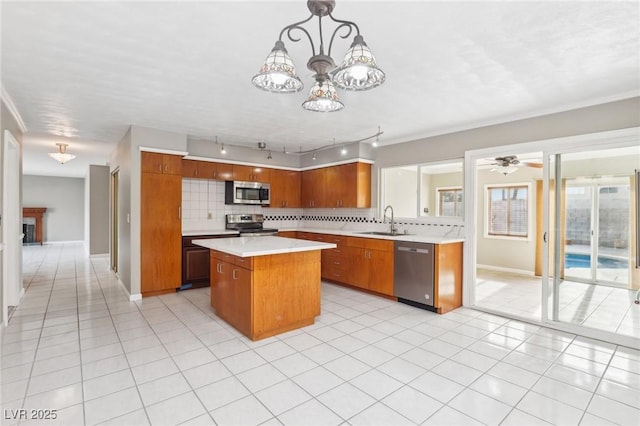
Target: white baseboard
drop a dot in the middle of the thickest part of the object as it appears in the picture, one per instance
(132, 297)
(63, 242)
(99, 255)
(502, 269)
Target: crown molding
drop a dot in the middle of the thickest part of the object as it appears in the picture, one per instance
(6, 99)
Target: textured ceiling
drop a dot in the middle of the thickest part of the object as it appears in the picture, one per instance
(85, 71)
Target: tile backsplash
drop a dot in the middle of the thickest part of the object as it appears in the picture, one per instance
(203, 208)
(203, 205)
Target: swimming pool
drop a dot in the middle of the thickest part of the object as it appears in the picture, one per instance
(575, 260)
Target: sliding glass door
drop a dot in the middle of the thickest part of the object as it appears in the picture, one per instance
(588, 280)
(597, 236)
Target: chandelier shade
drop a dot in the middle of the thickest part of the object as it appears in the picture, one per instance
(358, 70)
(62, 156)
(278, 74)
(323, 97)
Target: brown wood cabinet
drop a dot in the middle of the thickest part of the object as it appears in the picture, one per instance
(153, 162)
(447, 275)
(313, 188)
(285, 188)
(251, 174)
(266, 295)
(195, 169)
(346, 185)
(366, 263)
(335, 262)
(160, 226)
(371, 264)
(287, 234)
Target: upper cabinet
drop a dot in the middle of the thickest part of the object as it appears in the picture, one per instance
(313, 188)
(153, 162)
(251, 174)
(195, 169)
(285, 188)
(347, 185)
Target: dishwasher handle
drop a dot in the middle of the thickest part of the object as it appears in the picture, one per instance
(413, 250)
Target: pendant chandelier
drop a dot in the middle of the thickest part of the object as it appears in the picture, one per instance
(358, 70)
(62, 156)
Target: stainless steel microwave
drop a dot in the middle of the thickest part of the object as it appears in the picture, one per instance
(238, 192)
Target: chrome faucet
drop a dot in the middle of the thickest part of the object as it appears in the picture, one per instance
(392, 225)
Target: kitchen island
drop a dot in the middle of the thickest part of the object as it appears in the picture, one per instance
(265, 286)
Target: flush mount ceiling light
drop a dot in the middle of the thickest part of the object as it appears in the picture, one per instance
(61, 156)
(358, 70)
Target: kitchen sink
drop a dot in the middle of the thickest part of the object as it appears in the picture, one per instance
(387, 234)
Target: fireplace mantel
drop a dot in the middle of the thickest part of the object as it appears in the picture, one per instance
(37, 213)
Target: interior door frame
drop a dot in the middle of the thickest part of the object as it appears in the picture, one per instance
(114, 189)
(589, 142)
(11, 237)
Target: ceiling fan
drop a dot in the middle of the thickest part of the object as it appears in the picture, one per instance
(508, 163)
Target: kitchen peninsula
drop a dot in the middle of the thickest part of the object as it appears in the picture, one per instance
(265, 286)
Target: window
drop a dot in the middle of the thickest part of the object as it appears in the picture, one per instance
(449, 201)
(413, 189)
(508, 213)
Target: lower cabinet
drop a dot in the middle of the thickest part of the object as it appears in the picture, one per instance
(371, 264)
(365, 263)
(266, 295)
(368, 263)
(231, 291)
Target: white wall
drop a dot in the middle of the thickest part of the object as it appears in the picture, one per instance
(126, 158)
(97, 209)
(64, 199)
(599, 118)
(10, 122)
(518, 254)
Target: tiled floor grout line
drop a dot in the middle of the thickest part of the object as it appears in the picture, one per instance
(123, 353)
(84, 414)
(35, 354)
(178, 367)
(467, 326)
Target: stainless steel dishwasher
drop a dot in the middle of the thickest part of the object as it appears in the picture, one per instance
(413, 274)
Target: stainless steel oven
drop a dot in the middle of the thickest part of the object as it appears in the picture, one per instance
(248, 225)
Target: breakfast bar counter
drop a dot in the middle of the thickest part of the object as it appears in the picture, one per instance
(265, 286)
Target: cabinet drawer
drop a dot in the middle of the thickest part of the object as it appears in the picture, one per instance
(243, 262)
(370, 243)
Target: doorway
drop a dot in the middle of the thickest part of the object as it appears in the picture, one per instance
(12, 290)
(590, 260)
(597, 232)
(596, 301)
(115, 179)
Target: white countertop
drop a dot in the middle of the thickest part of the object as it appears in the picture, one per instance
(348, 233)
(399, 237)
(260, 246)
(193, 233)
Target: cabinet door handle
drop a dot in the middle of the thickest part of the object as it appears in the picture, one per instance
(235, 277)
(179, 212)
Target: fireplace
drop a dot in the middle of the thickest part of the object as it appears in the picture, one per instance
(32, 224)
